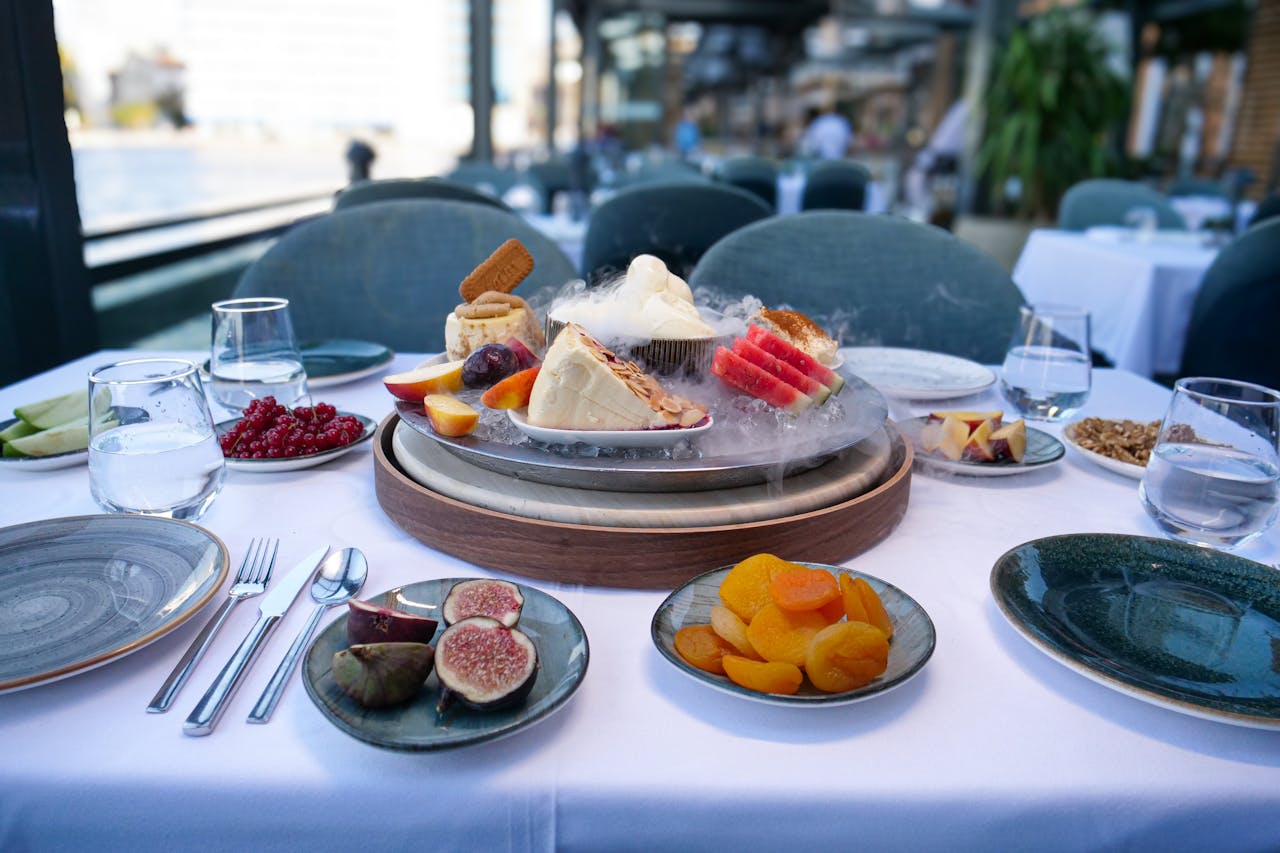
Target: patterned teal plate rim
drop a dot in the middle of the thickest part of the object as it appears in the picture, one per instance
(910, 648)
(1186, 628)
(563, 653)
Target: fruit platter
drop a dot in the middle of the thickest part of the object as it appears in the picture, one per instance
(632, 412)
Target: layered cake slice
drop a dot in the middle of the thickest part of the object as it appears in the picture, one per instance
(584, 386)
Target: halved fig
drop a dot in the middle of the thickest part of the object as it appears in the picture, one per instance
(498, 600)
(381, 674)
(484, 664)
(369, 623)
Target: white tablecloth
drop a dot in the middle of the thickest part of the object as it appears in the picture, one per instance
(992, 746)
(1139, 294)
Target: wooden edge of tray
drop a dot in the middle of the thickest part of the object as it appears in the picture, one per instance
(634, 558)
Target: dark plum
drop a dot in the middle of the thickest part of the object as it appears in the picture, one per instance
(489, 364)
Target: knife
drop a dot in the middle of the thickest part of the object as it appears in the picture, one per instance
(273, 607)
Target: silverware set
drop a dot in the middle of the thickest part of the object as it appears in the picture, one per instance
(335, 577)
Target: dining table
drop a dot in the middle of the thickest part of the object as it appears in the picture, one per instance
(993, 744)
(1138, 288)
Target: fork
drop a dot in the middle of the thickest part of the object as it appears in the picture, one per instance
(250, 580)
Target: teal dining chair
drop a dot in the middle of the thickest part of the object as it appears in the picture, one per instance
(756, 175)
(1106, 201)
(367, 192)
(677, 222)
(835, 185)
(1268, 208)
(389, 272)
(871, 280)
(1232, 332)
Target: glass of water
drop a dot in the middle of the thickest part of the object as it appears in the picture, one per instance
(1211, 479)
(1047, 370)
(254, 354)
(152, 447)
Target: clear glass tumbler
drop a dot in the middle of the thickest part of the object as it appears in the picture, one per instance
(1047, 371)
(1212, 476)
(254, 354)
(152, 445)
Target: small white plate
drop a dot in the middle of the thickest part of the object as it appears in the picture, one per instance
(41, 463)
(1128, 469)
(1042, 451)
(294, 463)
(607, 437)
(918, 374)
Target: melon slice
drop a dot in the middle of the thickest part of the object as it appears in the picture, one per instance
(741, 374)
(797, 358)
(788, 374)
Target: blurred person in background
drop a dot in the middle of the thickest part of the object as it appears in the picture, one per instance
(828, 135)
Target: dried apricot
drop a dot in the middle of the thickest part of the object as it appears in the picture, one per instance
(853, 608)
(702, 647)
(784, 635)
(733, 630)
(876, 614)
(805, 589)
(746, 588)
(765, 676)
(846, 656)
(833, 610)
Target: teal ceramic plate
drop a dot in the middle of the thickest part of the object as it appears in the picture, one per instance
(1042, 451)
(294, 463)
(76, 593)
(909, 650)
(415, 727)
(335, 362)
(1183, 627)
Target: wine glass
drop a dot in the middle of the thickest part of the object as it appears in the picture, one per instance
(1212, 476)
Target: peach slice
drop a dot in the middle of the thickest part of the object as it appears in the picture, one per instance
(450, 416)
(978, 447)
(1010, 441)
(416, 384)
(955, 433)
(512, 392)
(971, 419)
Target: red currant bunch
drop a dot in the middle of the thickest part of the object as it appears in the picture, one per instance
(268, 430)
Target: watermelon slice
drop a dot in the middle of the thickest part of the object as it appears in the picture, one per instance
(788, 374)
(741, 374)
(799, 359)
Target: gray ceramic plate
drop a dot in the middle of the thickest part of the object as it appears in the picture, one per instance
(562, 660)
(1183, 627)
(910, 648)
(1042, 450)
(918, 374)
(294, 463)
(76, 593)
(41, 463)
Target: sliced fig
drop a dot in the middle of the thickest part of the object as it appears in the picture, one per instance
(381, 674)
(498, 600)
(369, 623)
(484, 664)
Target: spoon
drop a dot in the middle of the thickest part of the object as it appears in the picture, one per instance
(337, 579)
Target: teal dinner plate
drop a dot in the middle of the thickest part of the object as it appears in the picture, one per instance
(1187, 628)
(335, 362)
(415, 726)
(76, 593)
(909, 649)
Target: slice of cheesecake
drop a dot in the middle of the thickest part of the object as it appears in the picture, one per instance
(584, 386)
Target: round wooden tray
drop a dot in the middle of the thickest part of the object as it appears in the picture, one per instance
(636, 558)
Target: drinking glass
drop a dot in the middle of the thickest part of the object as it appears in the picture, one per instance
(1047, 370)
(254, 353)
(152, 449)
(1144, 220)
(1211, 479)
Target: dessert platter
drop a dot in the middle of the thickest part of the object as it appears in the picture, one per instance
(720, 436)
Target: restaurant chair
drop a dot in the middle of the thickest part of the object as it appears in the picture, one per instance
(677, 222)
(1232, 333)
(1197, 187)
(754, 174)
(1268, 208)
(554, 176)
(389, 272)
(835, 185)
(661, 172)
(1106, 201)
(365, 192)
(872, 280)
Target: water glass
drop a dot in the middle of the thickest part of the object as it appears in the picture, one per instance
(1144, 220)
(1212, 476)
(152, 447)
(1047, 370)
(255, 354)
